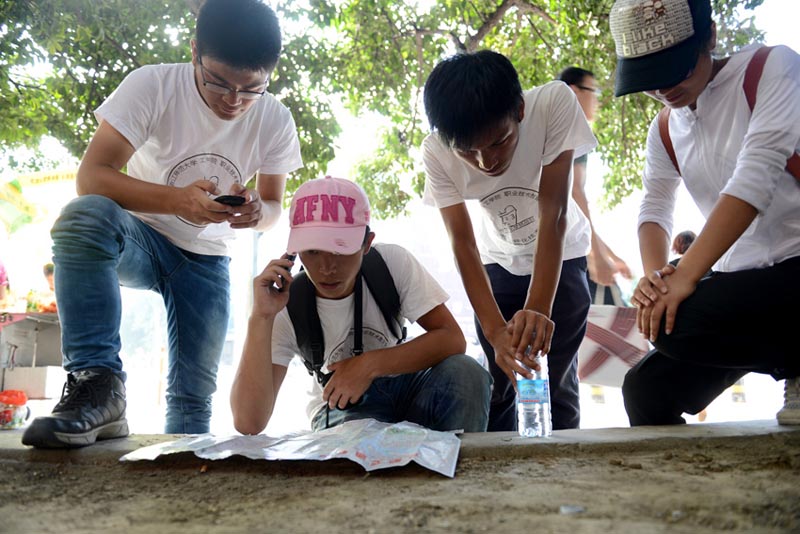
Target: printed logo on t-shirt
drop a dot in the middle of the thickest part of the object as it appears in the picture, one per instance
(212, 167)
(372, 339)
(514, 213)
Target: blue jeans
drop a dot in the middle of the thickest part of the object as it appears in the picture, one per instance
(98, 246)
(570, 312)
(452, 395)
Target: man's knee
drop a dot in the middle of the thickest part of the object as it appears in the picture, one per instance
(88, 227)
(88, 208)
(87, 215)
(467, 372)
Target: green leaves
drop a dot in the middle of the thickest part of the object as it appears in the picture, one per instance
(59, 59)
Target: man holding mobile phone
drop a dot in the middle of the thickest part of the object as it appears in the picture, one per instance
(185, 134)
(427, 380)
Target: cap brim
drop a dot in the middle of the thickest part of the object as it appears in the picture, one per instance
(656, 71)
(336, 240)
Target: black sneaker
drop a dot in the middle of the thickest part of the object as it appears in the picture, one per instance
(92, 407)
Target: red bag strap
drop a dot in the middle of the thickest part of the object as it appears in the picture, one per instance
(752, 75)
(663, 129)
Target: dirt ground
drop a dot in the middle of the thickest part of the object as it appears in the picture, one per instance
(743, 483)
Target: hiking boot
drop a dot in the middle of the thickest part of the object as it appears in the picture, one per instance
(92, 407)
(790, 413)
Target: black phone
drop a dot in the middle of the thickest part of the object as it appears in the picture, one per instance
(230, 200)
(289, 257)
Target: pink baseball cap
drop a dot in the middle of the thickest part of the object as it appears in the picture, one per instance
(329, 214)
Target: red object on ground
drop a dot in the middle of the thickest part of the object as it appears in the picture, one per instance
(13, 397)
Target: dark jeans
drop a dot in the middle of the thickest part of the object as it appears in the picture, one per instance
(733, 324)
(570, 309)
(452, 395)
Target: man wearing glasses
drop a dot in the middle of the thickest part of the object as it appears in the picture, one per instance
(171, 140)
(603, 263)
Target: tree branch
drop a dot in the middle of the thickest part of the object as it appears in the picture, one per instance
(535, 29)
(494, 19)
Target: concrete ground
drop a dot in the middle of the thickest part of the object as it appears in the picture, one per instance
(690, 478)
(473, 445)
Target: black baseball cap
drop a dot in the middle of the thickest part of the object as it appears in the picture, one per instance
(657, 41)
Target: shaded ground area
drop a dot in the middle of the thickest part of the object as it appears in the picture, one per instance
(675, 482)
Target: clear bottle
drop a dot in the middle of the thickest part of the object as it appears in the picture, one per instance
(533, 402)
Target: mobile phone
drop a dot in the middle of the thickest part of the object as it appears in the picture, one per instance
(230, 200)
(289, 257)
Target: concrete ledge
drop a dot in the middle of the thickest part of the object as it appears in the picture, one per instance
(474, 445)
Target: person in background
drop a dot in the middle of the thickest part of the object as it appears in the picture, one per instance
(731, 150)
(525, 271)
(47, 300)
(185, 134)
(49, 271)
(682, 242)
(603, 263)
(427, 380)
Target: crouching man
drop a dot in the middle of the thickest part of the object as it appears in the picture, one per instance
(344, 317)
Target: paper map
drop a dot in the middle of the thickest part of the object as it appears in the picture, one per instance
(370, 443)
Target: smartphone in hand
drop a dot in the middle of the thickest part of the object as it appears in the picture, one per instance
(289, 257)
(230, 200)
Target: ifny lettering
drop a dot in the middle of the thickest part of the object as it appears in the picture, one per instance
(308, 207)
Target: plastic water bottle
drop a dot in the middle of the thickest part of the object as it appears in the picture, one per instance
(533, 402)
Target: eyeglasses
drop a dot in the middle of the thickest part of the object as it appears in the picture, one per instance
(594, 90)
(225, 90)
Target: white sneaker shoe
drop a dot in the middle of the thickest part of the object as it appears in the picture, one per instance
(790, 413)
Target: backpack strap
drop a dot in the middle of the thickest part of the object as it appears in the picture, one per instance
(752, 75)
(381, 285)
(302, 308)
(663, 130)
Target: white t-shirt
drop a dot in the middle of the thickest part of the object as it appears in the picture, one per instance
(722, 148)
(553, 123)
(419, 293)
(179, 140)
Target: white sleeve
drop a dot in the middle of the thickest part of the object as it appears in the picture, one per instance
(660, 181)
(440, 190)
(284, 340)
(132, 108)
(284, 154)
(773, 133)
(419, 291)
(567, 128)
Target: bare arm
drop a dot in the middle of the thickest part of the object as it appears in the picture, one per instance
(266, 209)
(468, 260)
(603, 263)
(109, 151)
(353, 376)
(99, 173)
(726, 223)
(257, 381)
(532, 326)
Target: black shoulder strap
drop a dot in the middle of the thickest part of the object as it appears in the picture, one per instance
(381, 284)
(302, 307)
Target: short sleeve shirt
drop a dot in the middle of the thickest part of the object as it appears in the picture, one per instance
(179, 140)
(553, 123)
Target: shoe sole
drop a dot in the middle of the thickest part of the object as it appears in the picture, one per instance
(789, 417)
(42, 437)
